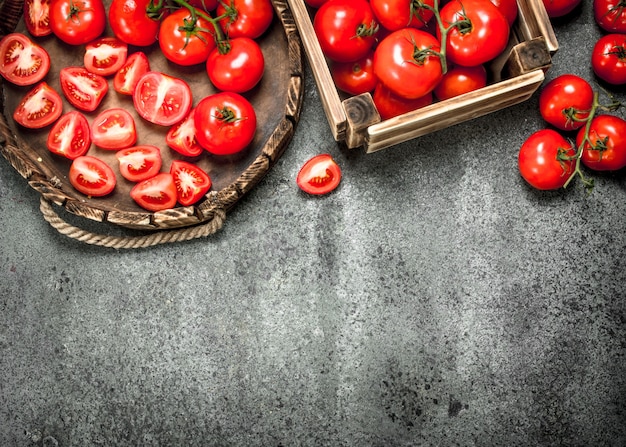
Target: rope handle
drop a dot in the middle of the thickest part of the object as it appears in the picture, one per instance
(117, 242)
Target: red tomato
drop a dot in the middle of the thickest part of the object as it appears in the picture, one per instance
(83, 89)
(459, 80)
(543, 160)
(559, 8)
(40, 107)
(565, 102)
(127, 77)
(225, 123)
(237, 69)
(138, 163)
(162, 99)
(355, 77)
(92, 176)
(113, 129)
(105, 56)
(482, 32)
(185, 41)
(77, 22)
(37, 17)
(192, 183)
(345, 29)
(319, 175)
(610, 15)
(397, 14)
(404, 56)
(390, 105)
(315, 4)
(508, 8)
(135, 22)
(155, 194)
(245, 18)
(70, 136)
(605, 149)
(608, 58)
(182, 137)
(205, 5)
(23, 62)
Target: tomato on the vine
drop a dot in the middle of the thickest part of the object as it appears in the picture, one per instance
(355, 77)
(566, 101)
(605, 149)
(113, 129)
(181, 137)
(237, 66)
(77, 22)
(191, 181)
(162, 99)
(559, 8)
(156, 193)
(92, 176)
(397, 14)
(319, 175)
(610, 15)
(127, 77)
(546, 160)
(40, 107)
(37, 17)
(138, 163)
(22, 61)
(245, 18)
(105, 55)
(82, 88)
(390, 105)
(459, 80)
(608, 58)
(186, 39)
(70, 135)
(135, 22)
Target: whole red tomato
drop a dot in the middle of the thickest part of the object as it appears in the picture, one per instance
(77, 22)
(186, 40)
(565, 102)
(608, 58)
(405, 56)
(610, 15)
(559, 8)
(238, 67)
(459, 80)
(481, 32)
(355, 77)
(546, 161)
(245, 18)
(345, 29)
(390, 105)
(396, 14)
(605, 149)
(135, 22)
(508, 8)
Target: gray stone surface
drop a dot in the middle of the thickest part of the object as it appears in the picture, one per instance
(432, 300)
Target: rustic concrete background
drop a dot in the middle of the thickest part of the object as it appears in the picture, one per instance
(432, 300)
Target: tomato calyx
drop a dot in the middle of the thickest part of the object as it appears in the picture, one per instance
(226, 115)
(74, 12)
(618, 51)
(155, 11)
(191, 29)
(366, 30)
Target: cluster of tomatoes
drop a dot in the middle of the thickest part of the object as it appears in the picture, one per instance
(222, 36)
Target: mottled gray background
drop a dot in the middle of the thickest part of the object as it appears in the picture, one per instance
(432, 300)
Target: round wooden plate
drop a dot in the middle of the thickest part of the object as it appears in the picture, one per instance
(277, 101)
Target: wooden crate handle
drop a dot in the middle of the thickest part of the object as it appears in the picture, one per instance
(533, 22)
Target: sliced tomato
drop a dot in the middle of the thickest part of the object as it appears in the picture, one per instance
(82, 88)
(319, 175)
(182, 137)
(139, 163)
(37, 17)
(92, 176)
(114, 129)
(155, 194)
(105, 55)
(70, 136)
(162, 99)
(23, 62)
(126, 78)
(41, 106)
(192, 182)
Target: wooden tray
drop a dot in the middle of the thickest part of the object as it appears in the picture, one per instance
(514, 77)
(277, 101)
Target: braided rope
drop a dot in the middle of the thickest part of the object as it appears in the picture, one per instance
(117, 242)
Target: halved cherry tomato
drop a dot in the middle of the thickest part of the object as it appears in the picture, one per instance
(459, 80)
(70, 136)
(77, 22)
(83, 89)
(41, 106)
(355, 77)
(238, 68)
(390, 105)
(186, 40)
(22, 61)
(92, 176)
(162, 99)
(127, 77)
(192, 183)
(113, 129)
(245, 18)
(139, 163)
(37, 17)
(565, 101)
(605, 150)
(319, 175)
(182, 137)
(545, 160)
(155, 194)
(105, 56)
(135, 22)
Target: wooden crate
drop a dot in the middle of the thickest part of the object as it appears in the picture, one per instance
(514, 77)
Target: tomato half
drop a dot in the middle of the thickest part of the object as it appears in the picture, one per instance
(40, 107)
(105, 56)
(559, 8)
(162, 99)
(92, 176)
(181, 137)
(608, 58)
(355, 77)
(23, 62)
(459, 80)
(397, 14)
(70, 136)
(543, 160)
(155, 194)
(390, 105)
(610, 15)
(237, 69)
(139, 163)
(186, 40)
(319, 175)
(77, 22)
(127, 77)
(245, 18)
(192, 182)
(113, 129)
(37, 17)
(565, 101)
(135, 22)
(605, 150)
(83, 89)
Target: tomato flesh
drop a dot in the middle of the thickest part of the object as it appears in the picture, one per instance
(127, 77)
(40, 107)
(70, 136)
(105, 56)
(22, 61)
(182, 137)
(139, 163)
(192, 182)
(113, 129)
(162, 99)
(156, 193)
(82, 88)
(92, 176)
(319, 175)
(37, 17)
